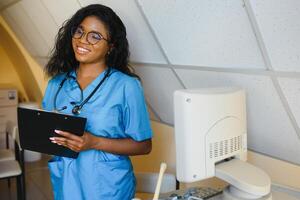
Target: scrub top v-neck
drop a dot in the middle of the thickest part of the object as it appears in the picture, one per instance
(116, 110)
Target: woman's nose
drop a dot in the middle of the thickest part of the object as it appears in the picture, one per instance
(84, 38)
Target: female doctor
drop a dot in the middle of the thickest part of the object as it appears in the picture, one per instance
(91, 79)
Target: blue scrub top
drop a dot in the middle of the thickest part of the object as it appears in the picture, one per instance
(116, 110)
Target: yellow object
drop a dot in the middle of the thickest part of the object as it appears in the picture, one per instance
(18, 69)
(163, 167)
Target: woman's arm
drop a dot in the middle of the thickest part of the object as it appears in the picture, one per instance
(126, 146)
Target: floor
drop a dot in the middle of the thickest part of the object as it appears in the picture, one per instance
(38, 185)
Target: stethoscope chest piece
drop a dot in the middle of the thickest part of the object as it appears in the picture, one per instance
(76, 110)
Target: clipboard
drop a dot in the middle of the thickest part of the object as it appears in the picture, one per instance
(37, 126)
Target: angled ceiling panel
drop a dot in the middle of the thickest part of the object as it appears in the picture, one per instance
(5, 3)
(152, 114)
(291, 90)
(19, 33)
(143, 46)
(204, 33)
(42, 20)
(159, 85)
(42, 61)
(278, 22)
(61, 10)
(263, 109)
(23, 23)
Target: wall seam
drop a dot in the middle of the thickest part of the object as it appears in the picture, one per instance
(158, 43)
(153, 111)
(248, 71)
(271, 156)
(79, 3)
(43, 4)
(267, 60)
(286, 189)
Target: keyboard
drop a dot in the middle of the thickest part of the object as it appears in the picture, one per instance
(196, 193)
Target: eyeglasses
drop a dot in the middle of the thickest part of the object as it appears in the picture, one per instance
(92, 37)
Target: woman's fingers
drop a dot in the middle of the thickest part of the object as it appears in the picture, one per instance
(68, 135)
(68, 140)
(73, 145)
(71, 141)
(64, 141)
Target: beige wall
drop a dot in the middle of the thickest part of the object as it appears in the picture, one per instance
(281, 172)
(9, 78)
(22, 71)
(163, 150)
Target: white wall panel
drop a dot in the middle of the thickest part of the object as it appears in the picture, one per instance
(42, 20)
(279, 24)
(42, 61)
(61, 10)
(291, 90)
(142, 44)
(269, 128)
(23, 22)
(152, 114)
(204, 33)
(159, 85)
(19, 33)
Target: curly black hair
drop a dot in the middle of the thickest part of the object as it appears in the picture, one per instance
(62, 58)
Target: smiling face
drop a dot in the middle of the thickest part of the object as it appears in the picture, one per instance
(85, 52)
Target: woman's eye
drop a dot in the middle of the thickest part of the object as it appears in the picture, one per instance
(79, 30)
(96, 36)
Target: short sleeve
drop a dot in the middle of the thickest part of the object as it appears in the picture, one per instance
(135, 116)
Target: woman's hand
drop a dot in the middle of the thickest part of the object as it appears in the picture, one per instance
(122, 146)
(74, 142)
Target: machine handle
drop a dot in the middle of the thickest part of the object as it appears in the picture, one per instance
(163, 167)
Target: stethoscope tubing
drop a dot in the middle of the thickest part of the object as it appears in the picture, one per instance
(76, 109)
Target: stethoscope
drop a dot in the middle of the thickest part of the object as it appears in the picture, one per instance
(77, 108)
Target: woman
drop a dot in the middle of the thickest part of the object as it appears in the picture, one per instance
(91, 78)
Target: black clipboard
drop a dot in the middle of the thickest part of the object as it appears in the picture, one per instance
(37, 126)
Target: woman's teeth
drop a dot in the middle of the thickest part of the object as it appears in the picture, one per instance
(82, 50)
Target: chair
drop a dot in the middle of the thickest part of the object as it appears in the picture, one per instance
(15, 168)
(8, 153)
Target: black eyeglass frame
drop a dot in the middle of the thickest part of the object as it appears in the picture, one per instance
(74, 29)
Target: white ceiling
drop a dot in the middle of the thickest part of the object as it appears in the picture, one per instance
(197, 32)
(159, 85)
(279, 25)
